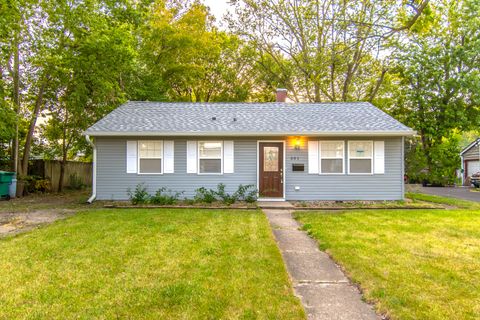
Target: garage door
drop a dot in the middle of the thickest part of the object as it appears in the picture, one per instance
(473, 167)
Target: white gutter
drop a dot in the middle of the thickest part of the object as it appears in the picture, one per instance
(94, 171)
(253, 134)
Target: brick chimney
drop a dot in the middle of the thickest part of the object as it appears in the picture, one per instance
(281, 95)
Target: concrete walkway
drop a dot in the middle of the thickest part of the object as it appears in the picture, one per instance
(324, 290)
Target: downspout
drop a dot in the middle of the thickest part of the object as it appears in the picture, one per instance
(94, 171)
(403, 168)
(462, 169)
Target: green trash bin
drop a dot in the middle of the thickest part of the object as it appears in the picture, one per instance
(5, 181)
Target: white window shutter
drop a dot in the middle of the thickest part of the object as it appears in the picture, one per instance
(313, 157)
(168, 157)
(191, 156)
(379, 161)
(131, 156)
(228, 161)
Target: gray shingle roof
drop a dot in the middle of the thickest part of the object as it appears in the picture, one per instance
(159, 118)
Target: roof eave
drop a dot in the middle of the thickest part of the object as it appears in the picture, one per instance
(470, 146)
(400, 133)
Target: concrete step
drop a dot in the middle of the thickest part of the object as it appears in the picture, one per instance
(278, 205)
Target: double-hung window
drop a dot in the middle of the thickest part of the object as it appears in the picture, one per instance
(360, 157)
(150, 154)
(210, 157)
(332, 157)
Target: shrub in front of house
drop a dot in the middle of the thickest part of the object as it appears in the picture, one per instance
(205, 195)
(165, 196)
(247, 193)
(226, 198)
(140, 195)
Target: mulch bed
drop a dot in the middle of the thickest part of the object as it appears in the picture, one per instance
(355, 205)
(297, 205)
(176, 207)
(180, 205)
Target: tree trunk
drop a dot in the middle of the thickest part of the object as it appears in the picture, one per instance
(317, 92)
(64, 156)
(16, 101)
(31, 128)
(62, 172)
(346, 84)
(377, 85)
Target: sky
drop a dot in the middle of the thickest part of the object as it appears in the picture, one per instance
(218, 8)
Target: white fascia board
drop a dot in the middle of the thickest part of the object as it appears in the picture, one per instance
(470, 146)
(254, 134)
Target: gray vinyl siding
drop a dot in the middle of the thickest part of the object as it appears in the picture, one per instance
(471, 154)
(387, 186)
(113, 181)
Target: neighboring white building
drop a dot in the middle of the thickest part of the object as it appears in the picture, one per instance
(470, 160)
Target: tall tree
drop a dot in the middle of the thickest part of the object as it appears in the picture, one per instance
(325, 50)
(95, 57)
(184, 57)
(439, 69)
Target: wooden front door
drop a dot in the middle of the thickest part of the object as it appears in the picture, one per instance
(270, 169)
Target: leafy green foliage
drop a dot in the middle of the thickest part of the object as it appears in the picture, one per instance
(247, 193)
(140, 195)
(323, 50)
(75, 182)
(165, 196)
(205, 195)
(226, 198)
(186, 58)
(439, 92)
(34, 184)
(7, 125)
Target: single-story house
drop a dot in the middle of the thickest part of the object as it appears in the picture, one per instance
(470, 161)
(288, 151)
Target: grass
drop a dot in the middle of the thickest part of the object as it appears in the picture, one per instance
(414, 264)
(454, 202)
(147, 264)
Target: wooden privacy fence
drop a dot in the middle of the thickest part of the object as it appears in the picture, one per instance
(50, 169)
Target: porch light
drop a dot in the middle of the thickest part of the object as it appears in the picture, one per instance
(297, 144)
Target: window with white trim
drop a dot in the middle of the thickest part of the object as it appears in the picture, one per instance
(332, 155)
(360, 157)
(150, 154)
(210, 155)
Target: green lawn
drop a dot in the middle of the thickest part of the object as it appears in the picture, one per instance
(414, 264)
(147, 264)
(459, 203)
